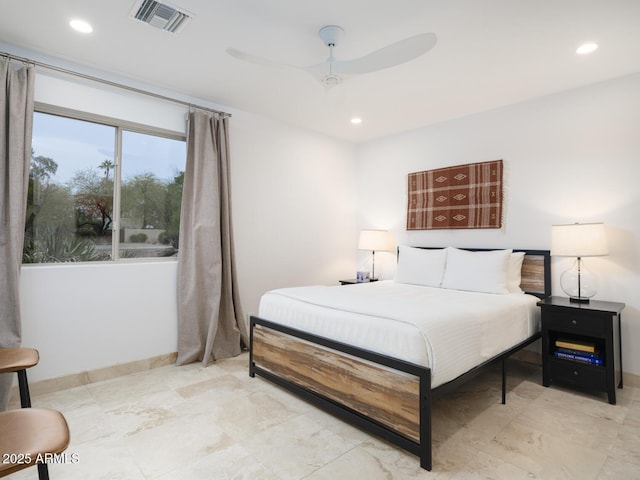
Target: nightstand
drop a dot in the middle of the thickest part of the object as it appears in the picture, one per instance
(351, 281)
(581, 344)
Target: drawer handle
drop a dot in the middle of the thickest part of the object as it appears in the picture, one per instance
(575, 322)
(575, 372)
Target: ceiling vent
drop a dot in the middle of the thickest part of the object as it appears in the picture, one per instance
(160, 15)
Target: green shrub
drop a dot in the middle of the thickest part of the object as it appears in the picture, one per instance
(169, 238)
(56, 244)
(138, 237)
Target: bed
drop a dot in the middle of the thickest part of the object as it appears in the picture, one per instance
(376, 354)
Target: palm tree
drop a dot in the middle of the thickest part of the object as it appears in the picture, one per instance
(106, 166)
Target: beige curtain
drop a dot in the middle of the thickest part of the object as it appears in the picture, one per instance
(210, 321)
(16, 122)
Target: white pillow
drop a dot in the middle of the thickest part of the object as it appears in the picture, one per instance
(420, 266)
(485, 272)
(514, 275)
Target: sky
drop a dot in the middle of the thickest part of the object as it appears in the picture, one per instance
(78, 145)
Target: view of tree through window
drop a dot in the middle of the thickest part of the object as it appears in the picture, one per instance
(74, 185)
(151, 194)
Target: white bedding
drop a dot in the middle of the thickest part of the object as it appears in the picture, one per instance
(450, 331)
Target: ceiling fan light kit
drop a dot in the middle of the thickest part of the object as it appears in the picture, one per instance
(395, 54)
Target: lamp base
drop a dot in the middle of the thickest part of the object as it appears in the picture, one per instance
(578, 283)
(578, 300)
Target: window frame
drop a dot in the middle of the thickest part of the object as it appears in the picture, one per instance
(119, 126)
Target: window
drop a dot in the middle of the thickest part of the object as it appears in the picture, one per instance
(86, 205)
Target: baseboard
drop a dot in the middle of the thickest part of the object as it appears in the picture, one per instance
(91, 376)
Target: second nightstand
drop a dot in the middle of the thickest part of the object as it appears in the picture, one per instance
(351, 281)
(581, 344)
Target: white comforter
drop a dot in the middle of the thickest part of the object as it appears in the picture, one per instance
(450, 331)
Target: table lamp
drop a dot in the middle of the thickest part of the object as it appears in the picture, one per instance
(375, 240)
(578, 240)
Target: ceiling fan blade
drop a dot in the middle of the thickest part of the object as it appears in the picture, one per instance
(389, 56)
(318, 71)
(247, 57)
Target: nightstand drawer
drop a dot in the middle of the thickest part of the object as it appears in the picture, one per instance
(576, 322)
(584, 375)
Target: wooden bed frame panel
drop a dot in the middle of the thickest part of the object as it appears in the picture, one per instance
(536, 273)
(320, 348)
(386, 396)
(364, 387)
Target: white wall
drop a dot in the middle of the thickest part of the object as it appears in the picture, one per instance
(88, 316)
(569, 157)
(293, 202)
(294, 207)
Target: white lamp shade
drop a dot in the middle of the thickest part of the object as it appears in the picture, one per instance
(376, 240)
(578, 240)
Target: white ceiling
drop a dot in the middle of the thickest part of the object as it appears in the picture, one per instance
(489, 53)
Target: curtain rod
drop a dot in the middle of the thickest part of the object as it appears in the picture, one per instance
(110, 83)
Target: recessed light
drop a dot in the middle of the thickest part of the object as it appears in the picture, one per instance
(81, 26)
(356, 120)
(587, 48)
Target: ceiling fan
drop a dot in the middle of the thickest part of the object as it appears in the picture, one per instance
(333, 72)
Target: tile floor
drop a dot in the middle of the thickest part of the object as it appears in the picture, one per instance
(218, 423)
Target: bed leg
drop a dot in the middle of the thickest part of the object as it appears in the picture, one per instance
(504, 381)
(252, 367)
(426, 458)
